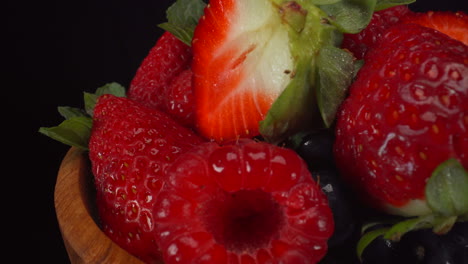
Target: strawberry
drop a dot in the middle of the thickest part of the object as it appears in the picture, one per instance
(234, 81)
(254, 66)
(406, 114)
(166, 60)
(381, 20)
(130, 148)
(243, 202)
(179, 101)
(453, 24)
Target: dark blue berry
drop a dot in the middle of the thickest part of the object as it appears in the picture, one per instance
(316, 148)
(421, 247)
(340, 203)
(380, 251)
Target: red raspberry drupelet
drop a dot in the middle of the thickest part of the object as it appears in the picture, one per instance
(245, 202)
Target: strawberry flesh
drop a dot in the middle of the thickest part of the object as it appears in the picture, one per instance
(241, 64)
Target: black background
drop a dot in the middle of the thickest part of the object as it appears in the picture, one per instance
(52, 51)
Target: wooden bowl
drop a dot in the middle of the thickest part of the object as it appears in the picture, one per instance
(77, 215)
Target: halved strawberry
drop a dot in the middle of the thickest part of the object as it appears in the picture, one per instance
(453, 24)
(241, 64)
(261, 67)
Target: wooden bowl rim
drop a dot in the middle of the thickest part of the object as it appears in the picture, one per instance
(77, 216)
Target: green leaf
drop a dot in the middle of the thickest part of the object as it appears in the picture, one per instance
(367, 238)
(399, 229)
(76, 129)
(110, 88)
(350, 16)
(183, 16)
(447, 189)
(73, 132)
(289, 112)
(89, 102)
(384, 4)
(69, 112)
(293, 15)
(335, 73)
(357, 66)
(442, 225)
(296, 108)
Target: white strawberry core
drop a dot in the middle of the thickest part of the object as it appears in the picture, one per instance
(415, 207)
(261, 44)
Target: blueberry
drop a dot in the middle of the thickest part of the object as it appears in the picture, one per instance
(426, 247)
(380, 251)
(421, 247)
(340, 204)
(316, 148)
(458, 239)
(456, 243)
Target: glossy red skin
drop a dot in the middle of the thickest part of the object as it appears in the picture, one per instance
(166, 60)
(179, 99)
(453, 24)
(211, 186)
(406, 113)
(361, 42)
(130, 148)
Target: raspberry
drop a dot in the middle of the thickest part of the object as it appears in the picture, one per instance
(244, 202)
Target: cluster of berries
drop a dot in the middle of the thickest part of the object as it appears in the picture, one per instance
(184, 174)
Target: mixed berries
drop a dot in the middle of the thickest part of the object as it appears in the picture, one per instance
(270, 131)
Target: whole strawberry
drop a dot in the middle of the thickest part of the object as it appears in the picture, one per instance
(165, 61)
(453, 24)
(130, 148)
(406, 113)
(179, 101)
(245, 202)
(361, 42)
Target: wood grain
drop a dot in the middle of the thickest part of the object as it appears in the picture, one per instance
(76, 214)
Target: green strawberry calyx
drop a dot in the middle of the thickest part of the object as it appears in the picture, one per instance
(75, 130)
(447, 197)
(182, 18)
(314, 47)
(322, 70)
